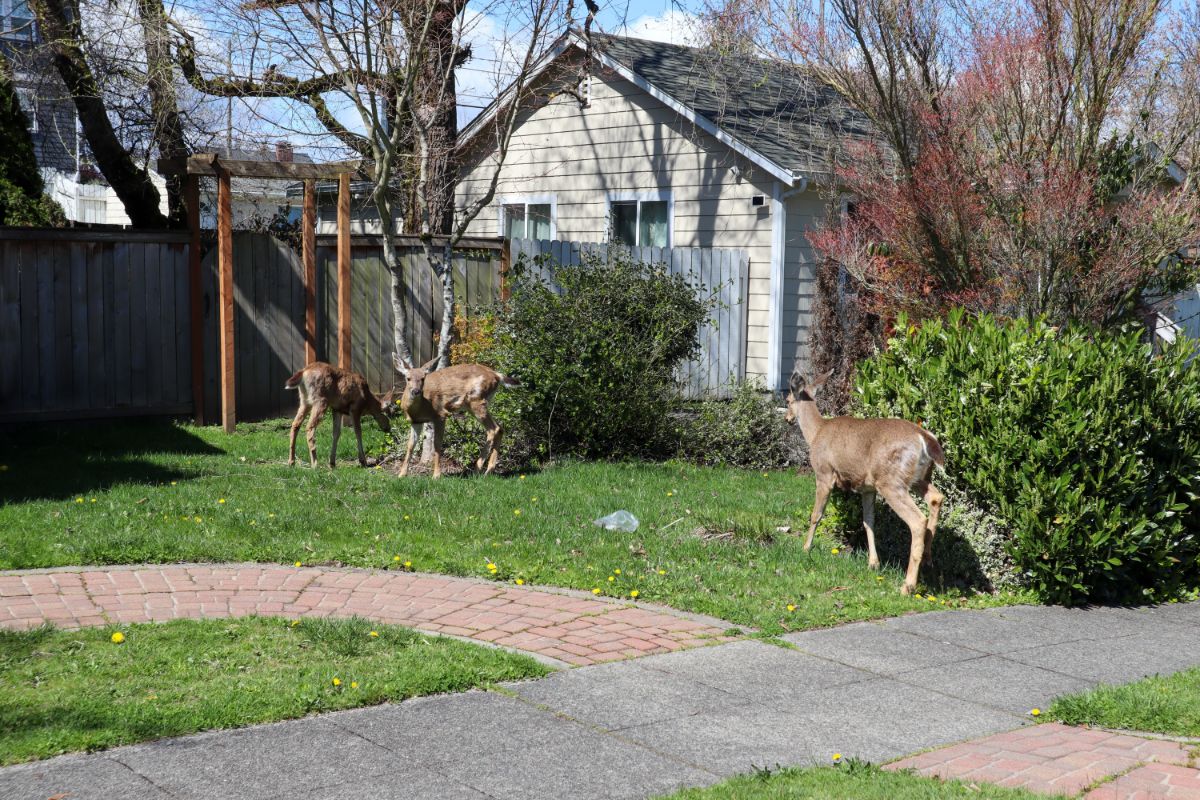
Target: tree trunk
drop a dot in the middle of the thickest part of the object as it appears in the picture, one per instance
(160, 79)
(60, 27)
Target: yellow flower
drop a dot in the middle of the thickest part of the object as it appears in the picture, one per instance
(406, 516)
(670, 494)
(791, 607)
(78, 499)
(298, 564)
(662, 572)
(198, 519)
(271, 515)
(879, 577)
(337, 681)
(930, 598)
(596, 590)
(118, 637)
(835, 551)
(395, 558)
(634, 593)
(1035, 712)
(407, 564)
(837, 757)
(374, 634)
(535, 499)
(522, 477)
(764, 474)
(353, 684)
(516, 512)
(174, 483)
(295, 622)
(916, 597)
(92, 500)
(616, 572)
(611, 578)
(520, 581)
(221, 501)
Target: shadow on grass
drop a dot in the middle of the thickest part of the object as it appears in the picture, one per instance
(58, 461)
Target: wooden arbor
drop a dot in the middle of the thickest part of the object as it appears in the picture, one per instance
(224, 170)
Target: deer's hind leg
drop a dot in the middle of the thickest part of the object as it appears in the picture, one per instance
(490, 453)
(296, 423)
(934, 499)
(318, 411)
(904, 506)
(868, 515)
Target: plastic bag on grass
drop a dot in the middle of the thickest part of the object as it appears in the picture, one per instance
(618, 521)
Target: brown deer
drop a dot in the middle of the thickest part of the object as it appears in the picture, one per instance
(885, 456)
(433, 396)
(324, 387)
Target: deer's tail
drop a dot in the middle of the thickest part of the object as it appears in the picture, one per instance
(934, 448)
(508, 380)
(294, 381)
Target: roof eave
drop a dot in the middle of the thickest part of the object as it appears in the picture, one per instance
(789, 177)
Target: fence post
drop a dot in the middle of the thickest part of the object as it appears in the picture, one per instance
(225, 285)
(505, 265)
(308, 227)
(343, 267)
(195, 297)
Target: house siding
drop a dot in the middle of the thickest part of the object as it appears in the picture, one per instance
(626, 141)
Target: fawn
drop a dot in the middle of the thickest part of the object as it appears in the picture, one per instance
(324, 387)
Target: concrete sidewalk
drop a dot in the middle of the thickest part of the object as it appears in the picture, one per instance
(640, 728)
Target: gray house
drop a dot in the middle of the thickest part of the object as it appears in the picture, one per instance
(664, 145)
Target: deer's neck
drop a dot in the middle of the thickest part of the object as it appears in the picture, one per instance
(810, 419)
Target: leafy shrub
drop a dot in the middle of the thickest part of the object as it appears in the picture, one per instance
(596, 355)
(1083, 442)
(745, 431)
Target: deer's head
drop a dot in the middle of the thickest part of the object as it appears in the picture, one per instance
(800, 390)
(414, 381)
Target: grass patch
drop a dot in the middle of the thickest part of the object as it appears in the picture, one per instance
(1168, 705)
(849, 781)
(132, 493)
(63, 691)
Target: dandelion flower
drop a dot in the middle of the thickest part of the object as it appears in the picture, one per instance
(662, 572)
(634, 593)
(516, 512)
(930, 598)
(764, 474)
(78, 499)
(616, 572)
(92, 500)
(522, 477)
(395, 558)
(1035, 712)
(198, 519)
(298, 564)
(353, 684)
(337, 681)
(835, 551)
(221, 501)
(611, 578)
(670, 494)
(520, 581)
(406, 516)
(791, 607)
(117, 637)
(271, 515)
(174, 483)
(837, 757)
(407, 564)
(295, 622)
(596, 590)
(374, 634)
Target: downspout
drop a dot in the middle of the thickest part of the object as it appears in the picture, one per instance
(779, 200)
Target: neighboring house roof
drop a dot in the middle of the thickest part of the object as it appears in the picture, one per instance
(773, 112)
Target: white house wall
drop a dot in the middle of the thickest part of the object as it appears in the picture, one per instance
(625, 141)
(805, 211)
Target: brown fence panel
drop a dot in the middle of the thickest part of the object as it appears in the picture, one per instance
(89, 324)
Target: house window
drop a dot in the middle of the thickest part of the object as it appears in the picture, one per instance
(16, 20)
(641, 221)
(29, 105)
(527, 218)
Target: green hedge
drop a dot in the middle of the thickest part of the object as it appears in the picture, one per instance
(1084, 443)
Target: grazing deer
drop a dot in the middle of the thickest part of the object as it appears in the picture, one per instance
(433, 396)
(324, 387)
(885, 456)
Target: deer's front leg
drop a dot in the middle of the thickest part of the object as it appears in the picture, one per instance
(414, 433)
(337, 432)
(868, 509)
(356, 421)
(822, 497)
(439, 427)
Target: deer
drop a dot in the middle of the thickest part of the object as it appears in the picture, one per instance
(889, 457)
(324, 387)
(432, 396)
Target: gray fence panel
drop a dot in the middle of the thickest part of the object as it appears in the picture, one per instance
(724, 273)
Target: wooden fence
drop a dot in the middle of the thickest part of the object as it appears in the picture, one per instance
(93, 324)
(96, 324)
(722, 359)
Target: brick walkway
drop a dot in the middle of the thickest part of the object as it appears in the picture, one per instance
(563, 627)
(1060, 760)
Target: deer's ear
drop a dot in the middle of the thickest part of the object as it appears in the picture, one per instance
(820, 379)
(400, 363)
(796, 382)
(428, 365)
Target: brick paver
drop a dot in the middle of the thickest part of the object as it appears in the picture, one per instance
(568, 628)
(1057, 759)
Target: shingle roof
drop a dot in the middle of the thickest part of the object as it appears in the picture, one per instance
(776, 108)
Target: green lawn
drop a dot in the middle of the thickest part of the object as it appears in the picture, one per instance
(849, 781)
(63, 691)
(1169, 705)
(123, 493)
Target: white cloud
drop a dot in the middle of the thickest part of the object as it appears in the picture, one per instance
(672, 26)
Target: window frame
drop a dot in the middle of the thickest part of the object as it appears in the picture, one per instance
(28, 33)
(656, 196)
(527, 200)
